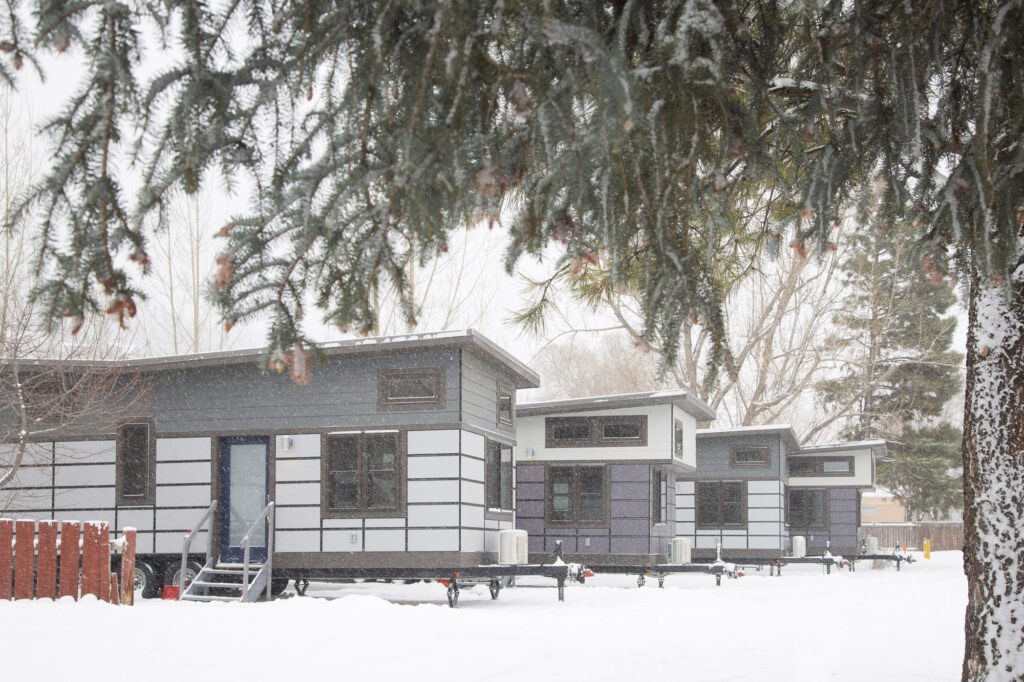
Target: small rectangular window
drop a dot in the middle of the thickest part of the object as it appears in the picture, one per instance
(362, 475)
(620, 431)
(577, 496)
(498, 475)
(567, 431)
(576, 432)
(801, 467)
(742, 456)
(135, 458)
(506, 403)
(835, 467)
(821, 466)
(411, 388)
(658, 497)
(677, 440)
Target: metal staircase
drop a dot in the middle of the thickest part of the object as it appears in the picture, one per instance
(244, 582)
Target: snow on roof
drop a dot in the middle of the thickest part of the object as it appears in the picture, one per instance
(874, 444)
(680, 397)
(784, 430)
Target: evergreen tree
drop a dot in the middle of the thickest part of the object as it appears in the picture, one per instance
(624, 127)
(924, 470)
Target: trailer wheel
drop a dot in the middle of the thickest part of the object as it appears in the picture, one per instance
(173, 571)
(277, 586)
(147, 580)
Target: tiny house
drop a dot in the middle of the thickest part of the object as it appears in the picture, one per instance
(399, 453)
(598, 474)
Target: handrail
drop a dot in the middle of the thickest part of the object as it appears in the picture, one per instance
(268, 515)
(207, 519)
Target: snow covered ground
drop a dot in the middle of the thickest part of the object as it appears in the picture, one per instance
(867, 625)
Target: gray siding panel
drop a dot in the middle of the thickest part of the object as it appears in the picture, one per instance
(480, 393)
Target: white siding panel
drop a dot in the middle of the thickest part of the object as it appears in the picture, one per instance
(342, 523)
(385, 540)
(33, 477)
(385, 523)
(179, 519)
(94, 515)
(183, 496)
(440, 466)
(764, 528)
(762, 487)
(84, 474)
(303, 445)
(764, 514)
(139, 519)
(491, 541)
(433, 491)
(474, 541)
(297, 517)
(29, 515)
(734, 542)
(84, 498)
(685, 514)
(182, 448)
(144, 542)
(297, 541)
(706, 542)
(472, 517)
(766, 542)
(433, 442)
(684, 487)
(290, 469)
(472, 469)
(91, 451)
(25, 499)
(685, 529)
(472, 492)
(182, 472)
(171, 543)
(343, 540)
(433, 540)
(473, 444)
(446, 515)
(298, 493)
(762, 501)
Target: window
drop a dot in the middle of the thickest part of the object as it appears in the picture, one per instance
(575, 432)
(506, 403)
(868, 510)
(658, 497)
(807, 507)
(410, 389)
(745, 456)
(136, 484)
(498, 476)
(821, 466)
(721, 504)
(677, 439)
(361, 474)
(577, 496)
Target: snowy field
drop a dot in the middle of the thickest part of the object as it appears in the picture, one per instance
(805, 625)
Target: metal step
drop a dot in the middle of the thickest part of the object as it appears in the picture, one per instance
(218, 586)
(207, 597)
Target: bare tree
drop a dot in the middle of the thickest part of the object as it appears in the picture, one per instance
(575, 367)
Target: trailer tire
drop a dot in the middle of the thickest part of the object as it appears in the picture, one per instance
(192, 569)
(277, 586)
(147, 580)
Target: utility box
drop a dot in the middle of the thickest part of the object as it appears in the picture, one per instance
(799, 547)
(680, 551)
(871, 544)
(512, 547)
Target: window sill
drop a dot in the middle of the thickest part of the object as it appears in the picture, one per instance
(498, 515)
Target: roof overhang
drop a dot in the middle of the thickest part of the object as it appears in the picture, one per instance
(684, 400)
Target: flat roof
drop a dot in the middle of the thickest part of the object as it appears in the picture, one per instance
(693, 405)
(876, 445)
(784, 430)
(467, 339)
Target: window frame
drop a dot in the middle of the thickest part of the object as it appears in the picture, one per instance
(719, 522)
(604, 522)
(361, 511)
(659, 497)
(505, 388)
(678, 449)
(596, 438)
(148, 498)
(436, 401)
(819, 466)
(498, 513)
(763, 464)
(825, 515)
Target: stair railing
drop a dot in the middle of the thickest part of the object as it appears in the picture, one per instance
(207, 520)
(268, 567)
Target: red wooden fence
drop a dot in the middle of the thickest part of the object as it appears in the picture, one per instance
(30, 564)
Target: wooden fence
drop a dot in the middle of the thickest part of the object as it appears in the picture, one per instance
(68, 559)
(944, 536)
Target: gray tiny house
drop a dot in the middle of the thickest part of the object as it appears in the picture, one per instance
(399, 454)
(597, 474)
(755, 488)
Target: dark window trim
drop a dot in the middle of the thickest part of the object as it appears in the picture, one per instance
(659, 497)
(505, 388)
(596, 426)
(825, 516)
(605, 521)
(493, 513)
(327, 512)
(750, 465)
(819, 466)
(720, 526)
(437, 401)
(149, 499)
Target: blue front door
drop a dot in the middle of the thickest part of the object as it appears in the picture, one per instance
(244, 493)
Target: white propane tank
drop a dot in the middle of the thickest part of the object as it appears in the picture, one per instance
(512, 547)
(680, 551)
(799, 547)
(871, 542)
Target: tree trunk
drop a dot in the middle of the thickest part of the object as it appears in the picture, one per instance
(993, 451)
